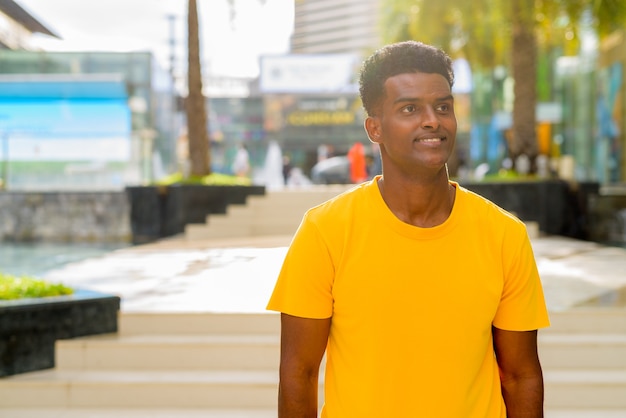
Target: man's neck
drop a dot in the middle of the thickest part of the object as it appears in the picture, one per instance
(424, 203)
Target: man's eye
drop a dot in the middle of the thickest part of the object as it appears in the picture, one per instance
(408, 109)
(443, 108)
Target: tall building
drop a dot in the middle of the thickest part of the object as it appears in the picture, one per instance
(17, 26)
(332, 26)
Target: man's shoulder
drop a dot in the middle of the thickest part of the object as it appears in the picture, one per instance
(481, 206)
(343, 202)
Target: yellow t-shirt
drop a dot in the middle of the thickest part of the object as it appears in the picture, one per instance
(412, 308)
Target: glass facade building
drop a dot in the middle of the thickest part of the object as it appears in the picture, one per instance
(101, 102)
(235, 121)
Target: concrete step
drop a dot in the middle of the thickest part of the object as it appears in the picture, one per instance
(311, 193)
(169, 352)
(565, 389)
(254, 217)
(197, 232)
(579, 321)
(136, 323)
(233, 413)
(205, 363)
(281, 203)
(588, 321)
(585, 413)
(255, 221)
(140, 389)
(592, 351)
(274, 203)
(248, 212)
(136, 413)
(277, 212)
(585, 389)
(212, 363)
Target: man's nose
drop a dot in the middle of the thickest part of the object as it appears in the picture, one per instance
(430, 119)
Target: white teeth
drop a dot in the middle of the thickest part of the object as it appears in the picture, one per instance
(430, 140)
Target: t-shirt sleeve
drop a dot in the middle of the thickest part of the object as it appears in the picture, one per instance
(522, 305)
(304, 285)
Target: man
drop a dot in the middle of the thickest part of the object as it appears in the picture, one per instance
(425, 296)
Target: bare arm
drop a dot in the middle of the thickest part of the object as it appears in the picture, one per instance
(520, 372)
(302, 346)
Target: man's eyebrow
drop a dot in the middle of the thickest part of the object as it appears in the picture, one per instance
(418, 99)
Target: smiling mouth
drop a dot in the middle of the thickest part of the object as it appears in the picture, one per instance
(431, 140)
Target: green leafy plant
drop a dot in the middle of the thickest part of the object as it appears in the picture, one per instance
(213, 179)
(13, 287)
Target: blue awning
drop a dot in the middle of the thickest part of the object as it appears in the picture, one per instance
(46, 86)
(65, 119)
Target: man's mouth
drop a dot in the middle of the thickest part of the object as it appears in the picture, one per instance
(431, 140)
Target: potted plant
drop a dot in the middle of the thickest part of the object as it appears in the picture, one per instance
(34, 314)
(164, 208)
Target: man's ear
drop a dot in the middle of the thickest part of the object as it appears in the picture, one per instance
(372, 127)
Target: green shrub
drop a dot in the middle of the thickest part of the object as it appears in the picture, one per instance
(213, 179)
(13, 287)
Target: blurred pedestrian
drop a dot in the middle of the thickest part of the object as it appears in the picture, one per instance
(287, 167)
(323, 152)
(424, 296)
(358, 165)
(241, 164)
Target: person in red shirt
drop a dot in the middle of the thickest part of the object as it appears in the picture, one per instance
(358, 166)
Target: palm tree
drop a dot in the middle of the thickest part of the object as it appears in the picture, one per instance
(483, 30)
(195, 105)
(524, 71)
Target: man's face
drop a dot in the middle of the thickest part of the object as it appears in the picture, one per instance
(415, 123)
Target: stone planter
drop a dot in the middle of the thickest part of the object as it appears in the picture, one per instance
(29, 328)
(559, 207)
(146, 212)
(608, 218)
(163, 211)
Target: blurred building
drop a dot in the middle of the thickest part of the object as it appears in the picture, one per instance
(234, 121)
(17, 26)
(84, 120)
(311, 102)
(331, 26)
(311, 95)
(581, 120)
(304, 100)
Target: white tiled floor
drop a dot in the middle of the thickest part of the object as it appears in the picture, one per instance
(175, 275)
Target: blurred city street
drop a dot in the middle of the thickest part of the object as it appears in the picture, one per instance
(124, 125)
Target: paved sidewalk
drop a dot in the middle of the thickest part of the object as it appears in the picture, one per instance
(237, 275)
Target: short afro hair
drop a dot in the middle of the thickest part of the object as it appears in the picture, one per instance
(399, 58)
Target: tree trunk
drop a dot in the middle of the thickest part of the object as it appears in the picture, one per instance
(197, 127)
(524, 67)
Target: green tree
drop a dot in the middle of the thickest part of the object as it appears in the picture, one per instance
(195, 105)
(502, 32)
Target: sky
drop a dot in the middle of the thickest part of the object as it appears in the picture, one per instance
(228, 48)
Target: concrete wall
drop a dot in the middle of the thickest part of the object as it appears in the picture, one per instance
(64, 217)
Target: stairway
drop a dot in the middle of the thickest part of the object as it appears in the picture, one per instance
(583, 355)
(225, 365)
(278, 212)
(158, 365)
